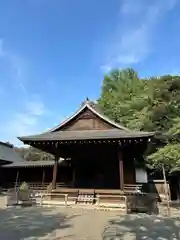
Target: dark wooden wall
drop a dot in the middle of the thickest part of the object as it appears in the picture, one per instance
(96, 166)
(34, 174)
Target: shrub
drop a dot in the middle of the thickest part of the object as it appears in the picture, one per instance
(24, 186)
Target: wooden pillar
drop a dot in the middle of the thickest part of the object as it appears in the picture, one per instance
(73, 178)
(43, 177)
(73, 165)
(55, 172)
(121, 170)
(17, 178)
(178, 189)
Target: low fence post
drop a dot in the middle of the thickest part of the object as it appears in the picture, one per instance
(66, 199)
(41, 199)
(166, 192)
(126, 205)
(98, 201)
(6, 200)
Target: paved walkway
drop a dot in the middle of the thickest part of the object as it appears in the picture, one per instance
(36, 223)
(32, 223)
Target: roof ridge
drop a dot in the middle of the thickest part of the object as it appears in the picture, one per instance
(92, 106)
(106, 118)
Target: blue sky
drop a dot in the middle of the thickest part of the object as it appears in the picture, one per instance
(53, 54)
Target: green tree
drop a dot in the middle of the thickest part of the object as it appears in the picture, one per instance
(151, 104)
(123, 94)
(34, 154)
(169, 155)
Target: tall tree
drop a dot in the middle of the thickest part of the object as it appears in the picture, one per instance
(151, 104)
(124, 95)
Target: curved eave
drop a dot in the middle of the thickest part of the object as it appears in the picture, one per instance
(87, 135)
(33, 164)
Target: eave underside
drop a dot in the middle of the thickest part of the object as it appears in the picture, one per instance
(71, 149)
(70, 143)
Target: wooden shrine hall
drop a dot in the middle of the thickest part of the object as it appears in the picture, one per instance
(103, 154)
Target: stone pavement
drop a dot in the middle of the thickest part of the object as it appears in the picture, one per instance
(53, 223)
(31, 223)
(142, 226)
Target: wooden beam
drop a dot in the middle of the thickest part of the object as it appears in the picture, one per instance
(121, 170)
(55, 172)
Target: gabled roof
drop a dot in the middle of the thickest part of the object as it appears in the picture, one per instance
(57, 133)
(93, 108)
(8, 153)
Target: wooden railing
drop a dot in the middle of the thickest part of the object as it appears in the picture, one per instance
(45, 185)
(36, 185)
(132, 188)
(67, 187)
(98, 199)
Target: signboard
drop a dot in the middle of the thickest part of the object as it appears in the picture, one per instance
(141, 175)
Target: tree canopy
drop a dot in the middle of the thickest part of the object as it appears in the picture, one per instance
(147, 104)
(34, 154)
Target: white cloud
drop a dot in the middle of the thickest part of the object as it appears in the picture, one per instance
(16, 66)
(35, 108)
(25, 122)
(106, 68)
(132, 41)
(24, 116)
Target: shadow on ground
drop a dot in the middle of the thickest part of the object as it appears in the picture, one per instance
(142, 226)
(31, 223)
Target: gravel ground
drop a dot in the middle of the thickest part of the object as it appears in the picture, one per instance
(32, 223)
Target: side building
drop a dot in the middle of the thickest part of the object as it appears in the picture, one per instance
(8, 155)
